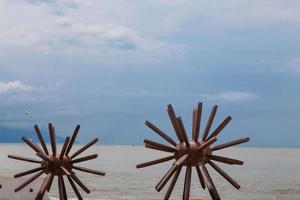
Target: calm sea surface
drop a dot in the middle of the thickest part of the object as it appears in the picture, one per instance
(267, 173)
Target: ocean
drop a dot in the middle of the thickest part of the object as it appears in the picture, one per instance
(267, 174)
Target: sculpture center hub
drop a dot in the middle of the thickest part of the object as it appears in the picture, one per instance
(57, 166)
(195, 156)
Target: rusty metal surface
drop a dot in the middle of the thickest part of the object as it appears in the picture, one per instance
(192, 154)
(56, 164)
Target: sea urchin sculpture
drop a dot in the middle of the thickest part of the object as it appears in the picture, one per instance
(56, 164)
(195, 153)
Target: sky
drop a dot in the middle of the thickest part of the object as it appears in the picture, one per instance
(111, 65)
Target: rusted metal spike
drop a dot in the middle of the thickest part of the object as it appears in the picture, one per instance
(60, 188)
(200, 177)
(154, 162)
(76, 179)
(64, 188)
(64, 148)
(220, 127)
(72, 139)
(155, 148)
(29, 172)
(197, 125)
(39, 197)
(209, 122)
(85, 158)
(160, 146)
(67, 172)
(34, 177)
(159, 132)
(172, 116)
(187, 183)
(183, 131)
(209, 183)
(92, 171)
(225, 175)
(43, 156)
(158, 149)
(42, 141)
(52, 138)
(23, 158)
(229, 161)
(50, 184)
(172, 185)
(84, 148)
(75, 188)
(181, 160)
(166, 178)
(194, 125)
(32, 144)
(44, 186)
(207, 144)
(229, 144)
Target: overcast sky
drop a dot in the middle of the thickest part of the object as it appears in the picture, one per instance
(110, 65)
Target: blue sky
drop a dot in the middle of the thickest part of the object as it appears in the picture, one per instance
(110, 65)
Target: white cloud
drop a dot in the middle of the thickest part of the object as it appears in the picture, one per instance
(71, 38)
(120, 37)
(55, 3)
(66, 37)
(104, 26)
(100, 31)
(230, 96)
(14, 86)
(116, 36)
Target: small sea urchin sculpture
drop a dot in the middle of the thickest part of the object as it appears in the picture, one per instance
(195, 153)
(56, 164)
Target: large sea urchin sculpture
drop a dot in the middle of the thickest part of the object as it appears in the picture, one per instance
(195, 153)
(56, 164)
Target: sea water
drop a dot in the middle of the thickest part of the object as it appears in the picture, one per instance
(266, 174)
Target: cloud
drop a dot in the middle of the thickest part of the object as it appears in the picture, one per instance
(55, 7)
(40, 1)
(115, 36)
(119, 37)
(14, 86)
(69, 34)
(230, 96)
(58, 3)
(69, 37)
